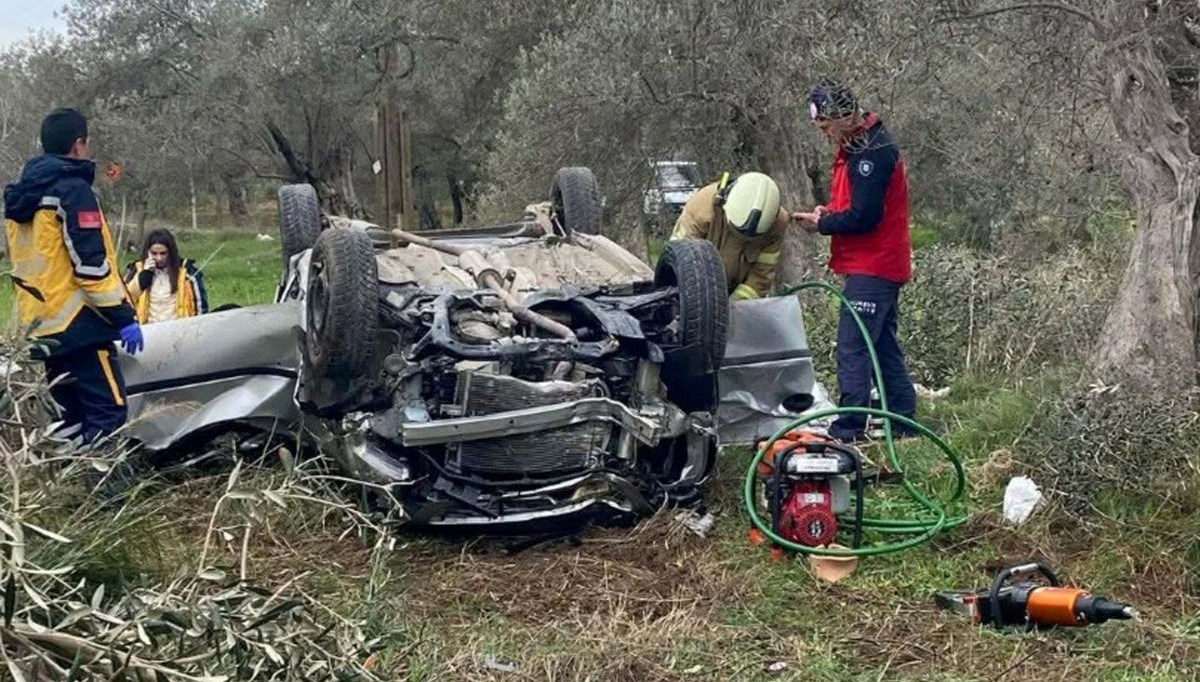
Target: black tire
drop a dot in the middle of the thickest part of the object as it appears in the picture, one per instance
(575, 200)
(342, 304)
(694, 267)
(299, 219)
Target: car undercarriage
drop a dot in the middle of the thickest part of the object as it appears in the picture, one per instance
(516, 376)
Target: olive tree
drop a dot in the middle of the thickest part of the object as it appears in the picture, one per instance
(632, 82)
(992, 137)
(1145, 55)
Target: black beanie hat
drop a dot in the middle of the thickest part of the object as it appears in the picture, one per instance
(60, 129)
(830, 99)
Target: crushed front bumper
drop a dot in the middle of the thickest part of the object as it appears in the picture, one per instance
(392, 463)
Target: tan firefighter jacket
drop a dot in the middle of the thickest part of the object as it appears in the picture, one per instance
(749, 261)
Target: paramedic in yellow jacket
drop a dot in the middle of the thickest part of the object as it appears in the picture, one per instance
(745, 222)
(165, 286)
(70, 296)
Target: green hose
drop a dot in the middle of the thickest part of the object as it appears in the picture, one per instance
(922, 529)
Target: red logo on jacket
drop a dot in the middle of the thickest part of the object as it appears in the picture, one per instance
(90, 220)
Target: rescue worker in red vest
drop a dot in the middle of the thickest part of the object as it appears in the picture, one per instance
(69, 293)
(867, 220)
(165, 286)
(743, 220)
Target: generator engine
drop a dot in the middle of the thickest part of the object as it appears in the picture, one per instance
(806, 478)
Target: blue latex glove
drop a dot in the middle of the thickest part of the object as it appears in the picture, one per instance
(131, 339)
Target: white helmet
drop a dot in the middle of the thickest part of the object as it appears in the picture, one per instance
(752, 203)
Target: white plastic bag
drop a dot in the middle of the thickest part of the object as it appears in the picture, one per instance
(1020, 497)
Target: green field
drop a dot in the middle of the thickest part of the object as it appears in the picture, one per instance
(659, 603)
(238, 268)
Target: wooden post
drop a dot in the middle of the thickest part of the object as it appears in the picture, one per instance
(383, 188)
(385, 150)
(395, 205)
(409, 220)
(393, 149)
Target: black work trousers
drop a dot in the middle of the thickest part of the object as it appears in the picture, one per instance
(91, 391)
(877, 302)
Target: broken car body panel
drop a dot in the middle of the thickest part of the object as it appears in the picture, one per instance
(767, 378)
(196, 374)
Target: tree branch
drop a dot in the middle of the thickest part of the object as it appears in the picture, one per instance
(1052, 6)
(458, 147)
(250, 164)
(650, 89)
(301, 170)
(188, 23)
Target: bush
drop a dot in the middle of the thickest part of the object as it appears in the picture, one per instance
(967, 312)
(90, 593)
(1106, 448)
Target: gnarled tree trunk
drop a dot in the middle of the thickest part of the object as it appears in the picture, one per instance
(332, 174)
(1149, 340)
(235, 194)
(345, 196)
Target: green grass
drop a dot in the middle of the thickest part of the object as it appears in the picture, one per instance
(658, 603)
(237, 267)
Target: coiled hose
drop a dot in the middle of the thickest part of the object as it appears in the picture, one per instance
(922, 529)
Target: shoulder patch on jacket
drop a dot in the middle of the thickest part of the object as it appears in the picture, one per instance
(89, 220)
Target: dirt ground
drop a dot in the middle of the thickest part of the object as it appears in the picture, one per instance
(657, 602)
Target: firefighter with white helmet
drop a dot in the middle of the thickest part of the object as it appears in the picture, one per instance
(744, 220)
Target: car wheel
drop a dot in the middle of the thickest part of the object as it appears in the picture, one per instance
(575, 200)
(342, 303)
(299, 219)
(694, 267)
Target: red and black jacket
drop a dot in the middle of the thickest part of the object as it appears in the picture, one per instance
(868, 208)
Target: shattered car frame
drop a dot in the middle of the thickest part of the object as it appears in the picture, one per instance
(502, 376)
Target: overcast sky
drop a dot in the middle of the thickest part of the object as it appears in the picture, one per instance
(19, 17)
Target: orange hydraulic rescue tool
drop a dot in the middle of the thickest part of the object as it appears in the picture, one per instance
(1032, 605)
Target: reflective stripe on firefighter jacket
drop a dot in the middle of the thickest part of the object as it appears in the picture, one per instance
(749, 261)
(68, 290)
(191, 299)
(868, 208)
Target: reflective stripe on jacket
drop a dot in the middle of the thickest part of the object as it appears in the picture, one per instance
(68, 290)
(749, 261)
(191, 299)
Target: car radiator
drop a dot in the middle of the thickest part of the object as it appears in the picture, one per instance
(545, 452)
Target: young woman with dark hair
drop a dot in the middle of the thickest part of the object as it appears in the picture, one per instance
(165, 286)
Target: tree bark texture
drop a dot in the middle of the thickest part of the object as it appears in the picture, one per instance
(346, 196)
(235, 195)
(332, 176)
(1148, 341)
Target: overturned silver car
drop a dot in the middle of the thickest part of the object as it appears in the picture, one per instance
(500, 376)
